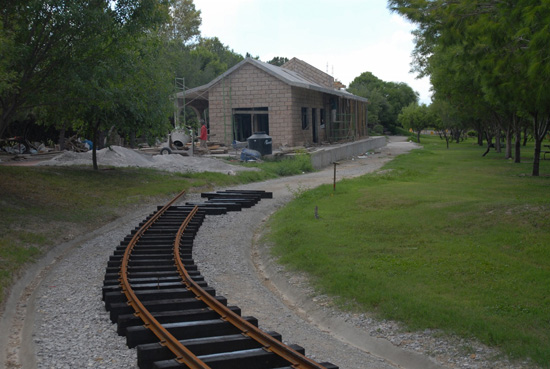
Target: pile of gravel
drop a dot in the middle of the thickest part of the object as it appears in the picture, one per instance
(117, 156)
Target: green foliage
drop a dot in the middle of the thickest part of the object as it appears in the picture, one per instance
(488, 59)
(287, 166)
(184, 22)
(200, 63)
(416, 118)
(278, 60)
(386, 98)
(378, 129)
(418, 243)
(86, 80)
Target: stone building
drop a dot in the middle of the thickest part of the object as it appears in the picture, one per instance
(296, 104)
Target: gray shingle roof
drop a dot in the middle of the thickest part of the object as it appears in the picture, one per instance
(285, 75)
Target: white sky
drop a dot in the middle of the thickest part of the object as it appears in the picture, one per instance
(341, 37)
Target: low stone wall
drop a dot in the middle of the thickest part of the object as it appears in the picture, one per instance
(325, 157)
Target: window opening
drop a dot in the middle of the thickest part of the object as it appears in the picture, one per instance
(250, 120)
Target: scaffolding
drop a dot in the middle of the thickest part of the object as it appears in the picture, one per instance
(348, 121)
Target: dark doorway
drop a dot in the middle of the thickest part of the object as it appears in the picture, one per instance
(243, 127)
(314, 125)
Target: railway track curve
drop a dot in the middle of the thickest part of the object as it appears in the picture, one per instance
(161, 303)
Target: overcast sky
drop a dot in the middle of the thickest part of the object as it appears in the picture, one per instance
(341, 37)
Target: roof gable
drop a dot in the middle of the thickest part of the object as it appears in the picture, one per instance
(310, 72)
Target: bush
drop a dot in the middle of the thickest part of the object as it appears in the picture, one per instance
(286, 166)
(403, 132)
(378, 129)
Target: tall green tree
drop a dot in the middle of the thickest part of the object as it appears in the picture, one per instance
(416, 118)
(386, 99)
(503, 44)
(62, 53)
(38, 41)
(183, 25)
(130, 88)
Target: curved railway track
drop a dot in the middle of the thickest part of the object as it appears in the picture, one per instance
(161, 303)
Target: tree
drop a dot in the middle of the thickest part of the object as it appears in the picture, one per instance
(119, 93)
(386, 99)
(38, 41)
(416, 118)
(278, 61)
(59, 52)
(446, 120)
(200, 63)
(184, 23)
(90, 62)
(503, 45)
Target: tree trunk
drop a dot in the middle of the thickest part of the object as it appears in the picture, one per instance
(517, 155)
(498, 147)
(540, 129)
(508, 154)
(418, 136)
(489, 143)
(536, 157)
(7, 115)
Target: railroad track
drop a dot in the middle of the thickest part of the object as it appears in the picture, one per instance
(161, 303)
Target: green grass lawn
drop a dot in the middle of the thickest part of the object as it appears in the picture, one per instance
(442, 239)
(44, 206)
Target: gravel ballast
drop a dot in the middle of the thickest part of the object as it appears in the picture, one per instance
(58, 319)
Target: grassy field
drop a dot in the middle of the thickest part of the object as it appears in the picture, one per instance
(441, 239)
(45, 206)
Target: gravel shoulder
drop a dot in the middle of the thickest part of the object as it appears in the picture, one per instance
(56, 319)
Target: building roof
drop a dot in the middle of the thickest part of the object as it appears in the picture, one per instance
(287, 76)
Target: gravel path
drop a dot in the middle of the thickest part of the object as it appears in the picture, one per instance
(56, 318)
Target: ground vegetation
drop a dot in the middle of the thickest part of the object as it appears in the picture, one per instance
(488, 59)
(439, 239)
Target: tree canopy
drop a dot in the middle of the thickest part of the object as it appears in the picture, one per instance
(416, 118)
(386, 99)
(95, 59)
(486, 56)
(278, 60)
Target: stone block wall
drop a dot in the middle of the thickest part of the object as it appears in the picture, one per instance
(302, 98)
(250, 87)
(309, 72)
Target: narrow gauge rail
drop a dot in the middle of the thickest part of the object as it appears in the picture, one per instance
(161, 303)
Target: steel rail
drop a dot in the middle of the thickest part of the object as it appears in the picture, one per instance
(269, 343)
(183, 354)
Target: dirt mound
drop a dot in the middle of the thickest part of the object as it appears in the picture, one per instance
(117, 156)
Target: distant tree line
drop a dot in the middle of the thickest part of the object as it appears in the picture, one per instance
(386, 100)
